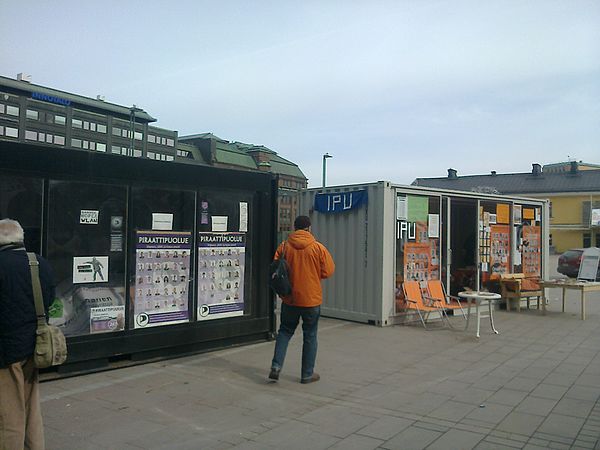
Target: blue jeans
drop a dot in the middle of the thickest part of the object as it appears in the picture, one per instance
(290, 316)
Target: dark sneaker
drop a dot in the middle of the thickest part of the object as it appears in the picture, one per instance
(315, 377)
(274, 374)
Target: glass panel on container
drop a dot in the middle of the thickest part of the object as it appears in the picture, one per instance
(528, 241)
(21, 200)
(161, 264)
(225, 255)
(463, 244)
(86, 224)
(418, 225)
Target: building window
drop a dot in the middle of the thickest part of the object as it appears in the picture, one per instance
(101, 128)
(12, 110)
(60, 120)
(151, 138)
(76, 143)
(137, 153)
(587, 240)
(59, 140)
(138, 136)
(116, 131)
(170, 142)
(550, 209)
(100, 147)
(32, 115)
(77, 123)
(31, 135)
(2, 108)
(11, 132)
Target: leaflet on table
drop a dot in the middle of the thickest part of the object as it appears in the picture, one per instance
(221, 266)
(162, 278)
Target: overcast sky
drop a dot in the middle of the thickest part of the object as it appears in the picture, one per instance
(393, 90)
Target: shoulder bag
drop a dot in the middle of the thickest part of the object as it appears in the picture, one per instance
(50, 342)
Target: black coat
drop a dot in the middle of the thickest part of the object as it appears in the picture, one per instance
(17, 309)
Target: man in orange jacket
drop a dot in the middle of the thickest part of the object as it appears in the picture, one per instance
(309, 262)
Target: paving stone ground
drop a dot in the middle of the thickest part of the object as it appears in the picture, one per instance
(535, 385)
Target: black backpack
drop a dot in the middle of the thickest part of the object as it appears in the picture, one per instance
(280, 275)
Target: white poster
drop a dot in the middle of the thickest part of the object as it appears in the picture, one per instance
(89, 217)
(595, 217)
(433, 225)
(517, 214)
(162, 221)
(90, 269)
(400, 208)
(219, 223)
(243, 217)
(105, 319)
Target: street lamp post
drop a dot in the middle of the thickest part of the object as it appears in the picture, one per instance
(325, 156)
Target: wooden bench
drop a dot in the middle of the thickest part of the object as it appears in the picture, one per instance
(515, 286)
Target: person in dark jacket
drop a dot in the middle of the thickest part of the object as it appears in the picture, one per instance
(20, 414)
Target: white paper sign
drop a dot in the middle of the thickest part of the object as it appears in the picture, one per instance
(595, 218)
(401, 208)
(90, 269)
(243, 216)
(89, 217)
(433, 225)
(219, 223)
(162, 221)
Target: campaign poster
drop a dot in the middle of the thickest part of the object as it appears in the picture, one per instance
(105, 319)
(162, 278)
(76, 306)
(221, 266)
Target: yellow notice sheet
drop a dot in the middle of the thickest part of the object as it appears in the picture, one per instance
(502, 213)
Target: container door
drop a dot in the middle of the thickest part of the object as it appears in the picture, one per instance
(462, 244)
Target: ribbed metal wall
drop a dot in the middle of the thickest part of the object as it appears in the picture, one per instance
(361, 289)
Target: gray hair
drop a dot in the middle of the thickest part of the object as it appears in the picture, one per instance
(11, 232)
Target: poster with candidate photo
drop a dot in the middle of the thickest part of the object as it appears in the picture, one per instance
(161, 278)
(221, 266)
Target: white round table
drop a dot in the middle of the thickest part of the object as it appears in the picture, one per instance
(479, 297)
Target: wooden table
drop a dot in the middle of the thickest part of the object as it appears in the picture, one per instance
(477, 298)
(582, 286)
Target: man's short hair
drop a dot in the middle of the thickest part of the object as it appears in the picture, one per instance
(11, 232)
(301, 223)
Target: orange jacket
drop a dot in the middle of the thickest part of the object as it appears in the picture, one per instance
(309, 263)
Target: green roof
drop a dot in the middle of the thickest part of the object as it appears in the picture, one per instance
(240, 154)
(226, 153)
(203, 136)
(284, 167)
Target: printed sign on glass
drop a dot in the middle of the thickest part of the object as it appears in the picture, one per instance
(221, 267)
(162, 278)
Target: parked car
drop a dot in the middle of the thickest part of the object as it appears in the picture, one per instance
(569, 262)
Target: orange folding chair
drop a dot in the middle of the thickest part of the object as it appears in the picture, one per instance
(414, 301)
(437, 293)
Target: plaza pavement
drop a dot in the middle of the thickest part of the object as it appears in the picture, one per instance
(535, 385)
